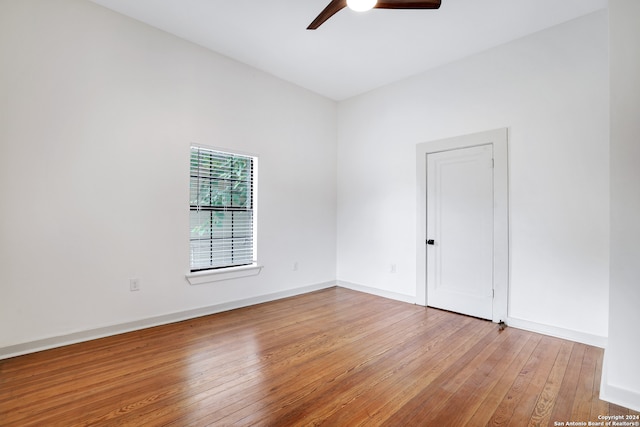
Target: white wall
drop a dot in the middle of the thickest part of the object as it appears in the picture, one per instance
(621, 377)
(97, 112)
(551, 90)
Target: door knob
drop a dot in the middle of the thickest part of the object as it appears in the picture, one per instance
(430, 242)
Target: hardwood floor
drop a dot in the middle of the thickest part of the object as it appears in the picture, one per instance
(334, 357)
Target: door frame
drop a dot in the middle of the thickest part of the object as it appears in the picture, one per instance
(498, 138)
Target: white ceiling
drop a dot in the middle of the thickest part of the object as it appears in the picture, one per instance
(352, 52)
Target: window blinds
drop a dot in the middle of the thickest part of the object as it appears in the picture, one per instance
(221, 209)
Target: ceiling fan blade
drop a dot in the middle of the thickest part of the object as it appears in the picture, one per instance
(336, 5)
(328, 12)
(407, 4)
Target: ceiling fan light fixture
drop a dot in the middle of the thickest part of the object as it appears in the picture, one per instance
(361, 5)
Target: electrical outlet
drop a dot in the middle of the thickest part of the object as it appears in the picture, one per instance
(295, 266)
(134, 285)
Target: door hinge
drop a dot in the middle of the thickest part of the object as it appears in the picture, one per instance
(493, 164)
(493, 293)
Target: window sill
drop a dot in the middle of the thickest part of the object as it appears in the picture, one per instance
(208, 276)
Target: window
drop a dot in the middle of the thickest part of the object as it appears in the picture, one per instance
(221, 209)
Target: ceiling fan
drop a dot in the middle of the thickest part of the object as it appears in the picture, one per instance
(361, 5)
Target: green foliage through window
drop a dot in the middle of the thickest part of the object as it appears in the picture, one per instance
(221, 204)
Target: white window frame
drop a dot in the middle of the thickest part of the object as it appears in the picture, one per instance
(230, 272)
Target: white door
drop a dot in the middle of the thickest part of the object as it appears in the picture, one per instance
(460, 231)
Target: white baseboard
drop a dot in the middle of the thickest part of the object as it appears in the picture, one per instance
(378, 292)
(91, 334)
(554, 331)
(617, 395)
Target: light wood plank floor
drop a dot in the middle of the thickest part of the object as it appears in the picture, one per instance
(334, 357)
